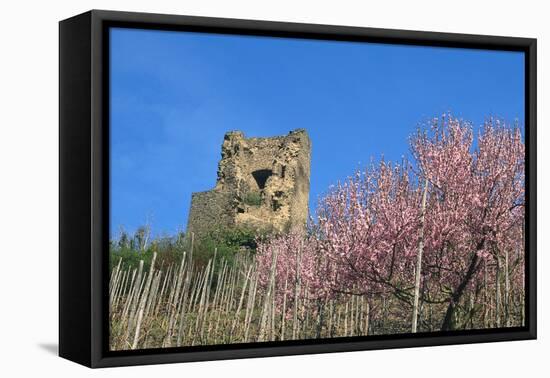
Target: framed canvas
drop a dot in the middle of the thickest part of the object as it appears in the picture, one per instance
(235, 188)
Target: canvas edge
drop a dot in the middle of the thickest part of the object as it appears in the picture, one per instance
(75, 150)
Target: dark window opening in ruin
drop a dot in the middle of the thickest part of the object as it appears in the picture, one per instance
(261, 176)
(283, 170)
(275, 205)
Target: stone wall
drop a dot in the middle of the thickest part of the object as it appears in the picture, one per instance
(210, 209)
(263, 184)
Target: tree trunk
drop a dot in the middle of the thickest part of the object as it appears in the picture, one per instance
(455, 298)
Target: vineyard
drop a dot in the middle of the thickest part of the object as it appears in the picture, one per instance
(185, 306)
(434, 245)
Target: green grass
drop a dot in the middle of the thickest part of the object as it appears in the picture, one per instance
(253, 199)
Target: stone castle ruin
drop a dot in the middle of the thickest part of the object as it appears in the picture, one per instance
(262, 184)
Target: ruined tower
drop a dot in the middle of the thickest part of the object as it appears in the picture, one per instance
(263, 184)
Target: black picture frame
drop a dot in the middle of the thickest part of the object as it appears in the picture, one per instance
(84, 186)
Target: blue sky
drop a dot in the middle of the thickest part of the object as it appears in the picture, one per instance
(175, 94)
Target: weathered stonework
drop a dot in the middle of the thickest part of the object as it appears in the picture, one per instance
(263, 184)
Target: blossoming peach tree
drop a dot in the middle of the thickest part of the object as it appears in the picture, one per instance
(440, 235)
